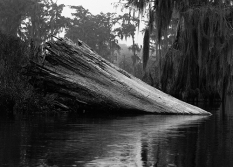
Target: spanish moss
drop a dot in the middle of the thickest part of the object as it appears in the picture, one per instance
(146, 45)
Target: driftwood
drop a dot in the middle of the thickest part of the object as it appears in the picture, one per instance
(78, 73)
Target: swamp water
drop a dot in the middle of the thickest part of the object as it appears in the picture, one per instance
(137, 141)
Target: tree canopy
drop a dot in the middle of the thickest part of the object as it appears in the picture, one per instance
(35, 20)
(94, 30)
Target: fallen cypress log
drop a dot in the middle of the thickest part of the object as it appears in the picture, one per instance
(78, 73)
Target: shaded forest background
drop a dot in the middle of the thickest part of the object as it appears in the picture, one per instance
(198, 64)
(186, 52)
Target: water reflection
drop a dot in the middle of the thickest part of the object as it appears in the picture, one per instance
(130, 141)
(149, 140)
(137, 140)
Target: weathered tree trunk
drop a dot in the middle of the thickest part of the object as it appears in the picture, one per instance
(76, 72)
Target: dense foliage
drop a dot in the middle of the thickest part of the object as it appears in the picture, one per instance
(33, 20)
(199, 63)
(16, 94)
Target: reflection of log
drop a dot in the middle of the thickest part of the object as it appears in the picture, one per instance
(75, 71)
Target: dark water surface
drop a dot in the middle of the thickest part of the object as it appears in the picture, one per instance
(149, 140)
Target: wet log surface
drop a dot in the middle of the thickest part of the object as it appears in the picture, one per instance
(76, 72)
